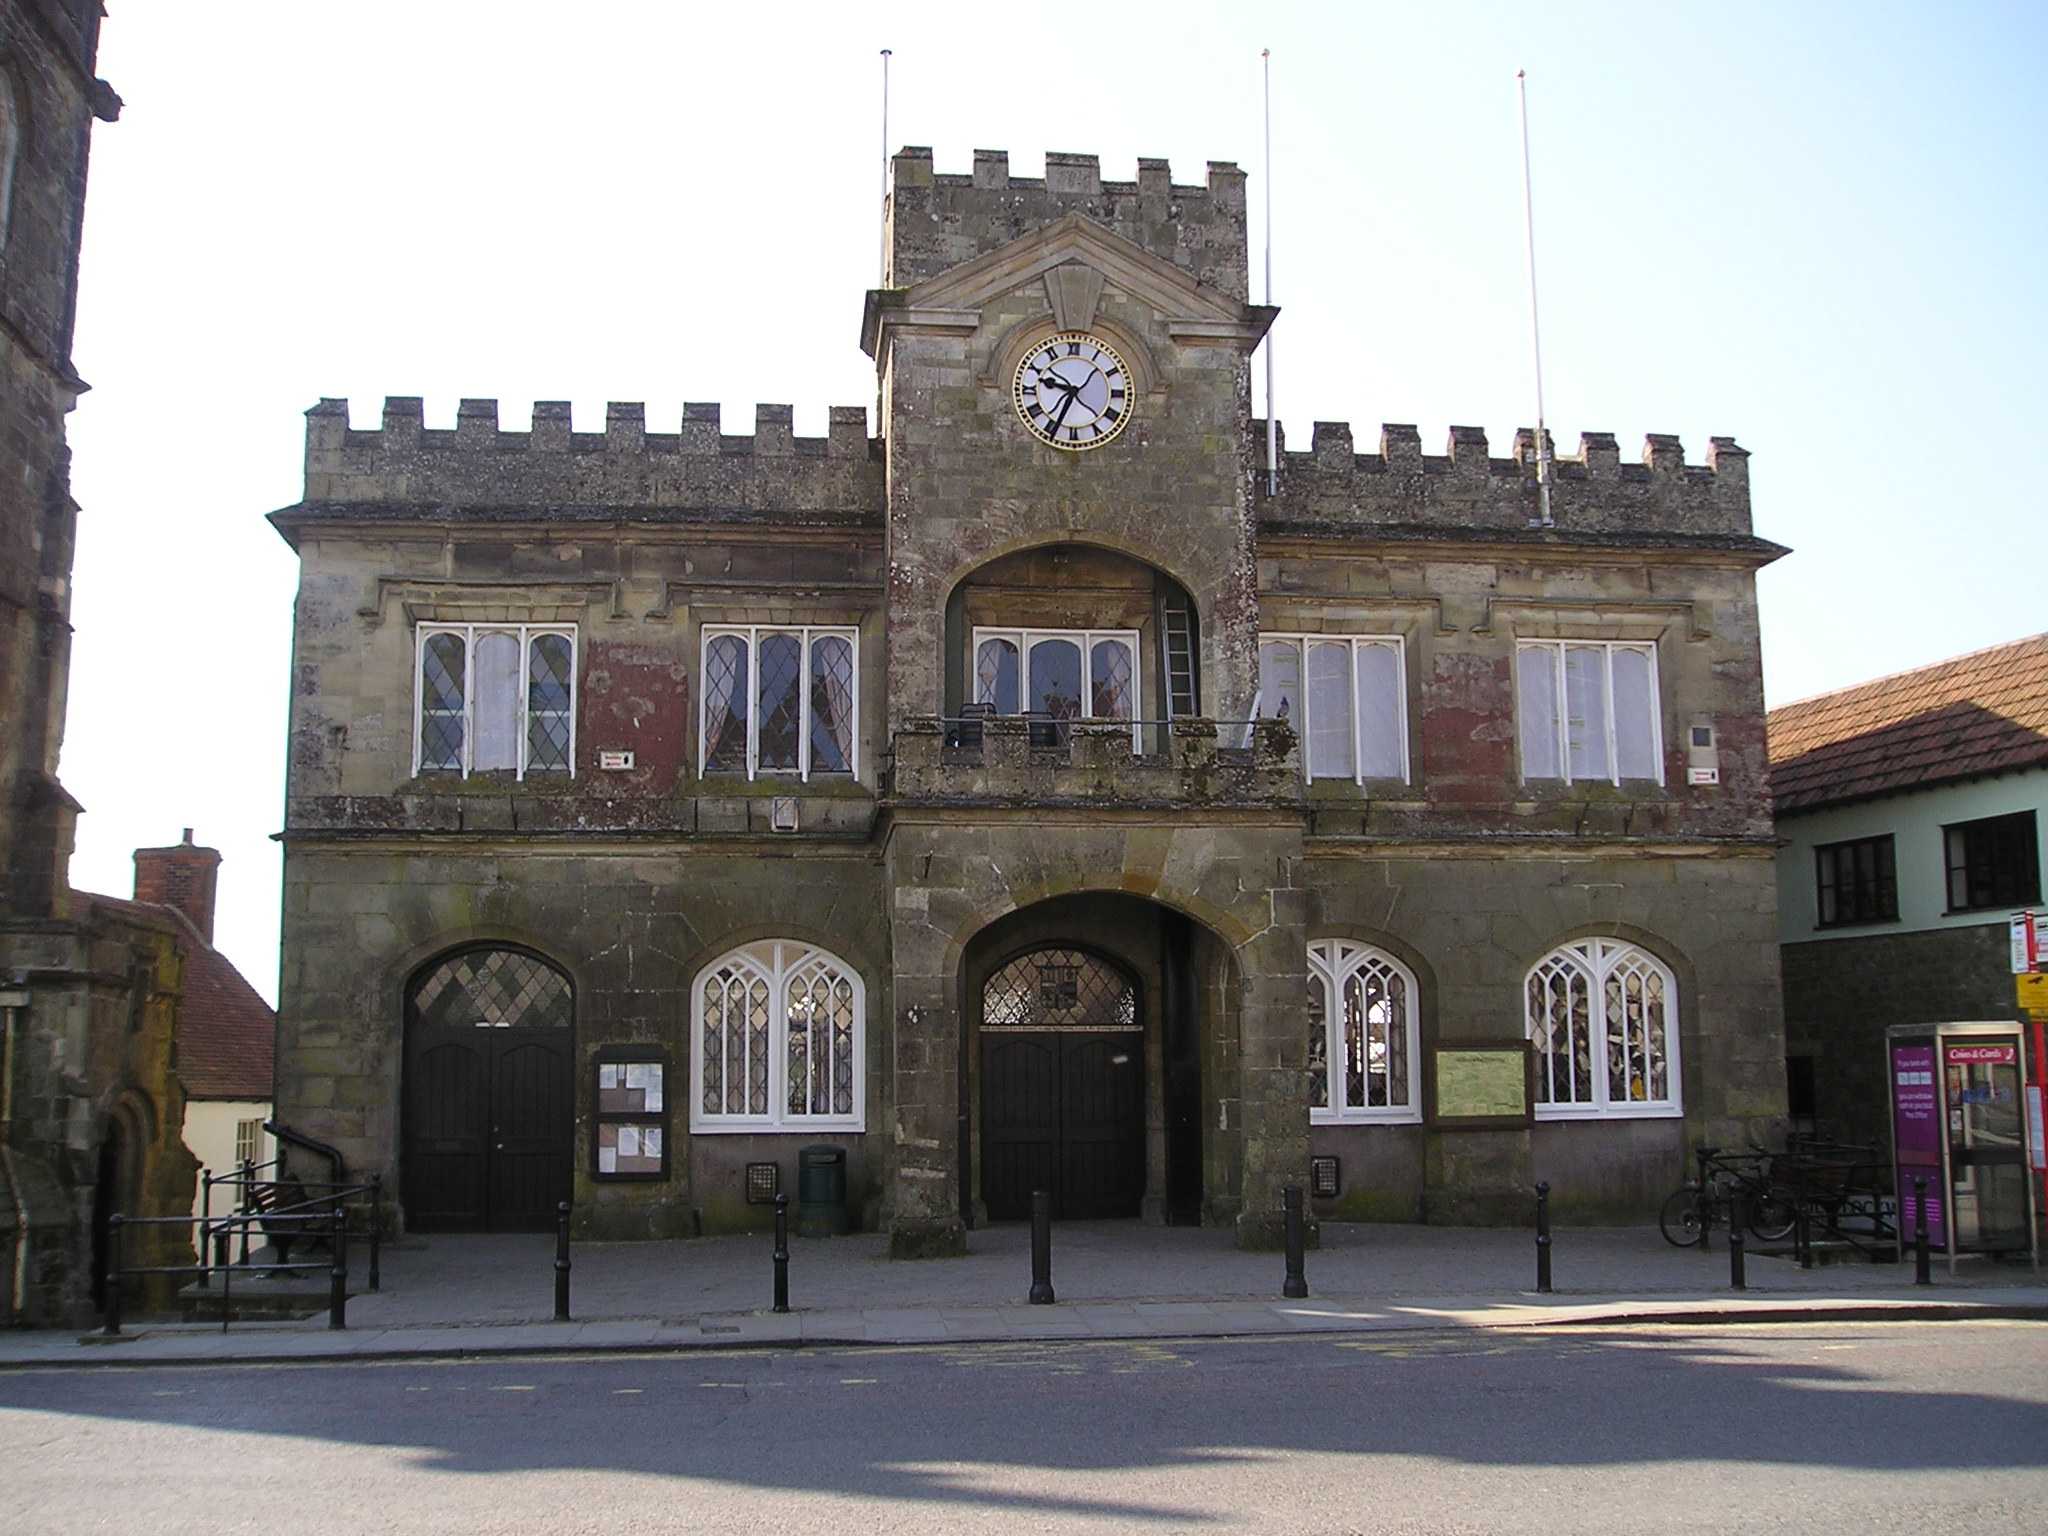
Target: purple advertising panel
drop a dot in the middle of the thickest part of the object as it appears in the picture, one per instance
(1916, 1134)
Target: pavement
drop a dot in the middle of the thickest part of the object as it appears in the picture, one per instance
(472, 1296)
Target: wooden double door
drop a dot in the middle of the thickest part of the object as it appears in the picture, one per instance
(1063, 1110)
(489, 1095)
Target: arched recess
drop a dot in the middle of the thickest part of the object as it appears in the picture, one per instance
(1097, 1036)
(117, 1182)
(1075, 629)
(488, 1091)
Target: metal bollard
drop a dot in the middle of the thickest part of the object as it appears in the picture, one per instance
(1041, 1248)
(562, 1262)
(337, 1277)
(111, 1301)
(376, 1230)
(1738, 1274)
(1543, 1239)
(206, 1243)
(782, 1253)
(1295, 1286)
(1802, 1235)
(1922, 1273)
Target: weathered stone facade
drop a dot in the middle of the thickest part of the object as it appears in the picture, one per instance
(1175, 838)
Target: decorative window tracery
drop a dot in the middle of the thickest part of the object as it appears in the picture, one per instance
(1363, 1036)
(1603, 1019)
(777, 1031)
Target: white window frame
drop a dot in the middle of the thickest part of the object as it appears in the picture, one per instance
(775, 961)
(1301, 640)
(527, 634)
(1553, 652)
(752, 634)
(1024, 639)
(1597, 958)
(1333, 961)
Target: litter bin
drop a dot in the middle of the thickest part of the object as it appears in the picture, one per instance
(821, 1192)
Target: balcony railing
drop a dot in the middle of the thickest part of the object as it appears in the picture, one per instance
(1036, 760)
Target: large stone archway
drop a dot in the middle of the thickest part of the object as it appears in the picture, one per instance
(953, 878)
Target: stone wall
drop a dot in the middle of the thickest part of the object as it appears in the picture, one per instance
(1842, 994)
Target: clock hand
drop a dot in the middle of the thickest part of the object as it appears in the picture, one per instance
(1066, 405)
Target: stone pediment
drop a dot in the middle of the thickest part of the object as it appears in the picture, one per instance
(1074, 259)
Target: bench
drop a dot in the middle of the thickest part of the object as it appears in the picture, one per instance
(287, 1199)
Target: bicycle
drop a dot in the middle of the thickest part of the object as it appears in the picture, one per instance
(1691, 1211)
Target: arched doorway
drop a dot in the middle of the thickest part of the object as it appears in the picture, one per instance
(489, 1092)
(1062, 1086)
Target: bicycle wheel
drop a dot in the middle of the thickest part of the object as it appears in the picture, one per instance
(1680, 1219)
(1771, 1218)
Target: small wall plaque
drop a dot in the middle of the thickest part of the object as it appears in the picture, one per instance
(615, 762)
(1481, 1085)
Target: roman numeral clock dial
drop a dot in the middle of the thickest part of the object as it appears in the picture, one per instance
(1073, 391)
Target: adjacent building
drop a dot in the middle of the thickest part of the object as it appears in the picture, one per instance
(1911, 810)
(1023, 789)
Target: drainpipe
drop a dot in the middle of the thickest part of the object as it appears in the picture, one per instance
(12, 1001)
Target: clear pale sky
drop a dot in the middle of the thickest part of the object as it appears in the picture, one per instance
(1817, 228)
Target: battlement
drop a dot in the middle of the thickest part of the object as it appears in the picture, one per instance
(938, 221)
(1467, 488)
(695, 467)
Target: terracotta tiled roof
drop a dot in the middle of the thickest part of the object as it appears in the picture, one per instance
(227, 1034)
(1986, 712)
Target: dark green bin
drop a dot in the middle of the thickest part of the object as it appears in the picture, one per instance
(821, 1192)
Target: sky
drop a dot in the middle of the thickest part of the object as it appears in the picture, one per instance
(1815, 228)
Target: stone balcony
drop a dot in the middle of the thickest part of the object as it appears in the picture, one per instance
(1011, 760)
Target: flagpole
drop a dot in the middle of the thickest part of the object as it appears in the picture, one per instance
(883, 239)
(1535, 326)
(1272, 416)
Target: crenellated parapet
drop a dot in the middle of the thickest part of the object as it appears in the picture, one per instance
(1466, 487)
(695, 467)
(940, 221)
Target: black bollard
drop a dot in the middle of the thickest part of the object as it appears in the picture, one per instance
(562, 1262)
(111, 1302)
(206, 1243)
(1041, 1248)
(782, 1253)
(376, 1229)
(1802, 1234)
(1922, 1273)
(1738, 1212)
(1543, 1239)
(1295, 1286)
(337, 1276)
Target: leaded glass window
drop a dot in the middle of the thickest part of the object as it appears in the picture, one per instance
(1602, 1020)
(780, 701)
(1361, 1059)
(1588, 710)
(1066, 674)
(778, 1041)
(493, 989)
(1345, 696)
(1059, 988)
(495, 698)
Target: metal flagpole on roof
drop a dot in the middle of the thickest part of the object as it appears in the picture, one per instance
(1272, 417)
(883, 240)
(1535, 327)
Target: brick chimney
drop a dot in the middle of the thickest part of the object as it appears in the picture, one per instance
(181, 877)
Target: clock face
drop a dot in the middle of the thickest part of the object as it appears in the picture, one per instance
(1073, 391)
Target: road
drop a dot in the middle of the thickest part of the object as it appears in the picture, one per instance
(1855, 1427)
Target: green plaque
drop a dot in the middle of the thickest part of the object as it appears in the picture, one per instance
(1482, 1083)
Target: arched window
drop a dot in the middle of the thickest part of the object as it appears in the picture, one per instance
(1603, 1018)
(1362, 1035)
(777, 1041)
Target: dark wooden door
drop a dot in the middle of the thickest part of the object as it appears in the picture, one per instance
(448, 1133)
(1064, 1112)
(532, 1122)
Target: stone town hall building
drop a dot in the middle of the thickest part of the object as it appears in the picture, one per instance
(665, 801)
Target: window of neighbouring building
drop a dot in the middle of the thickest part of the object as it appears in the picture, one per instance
(1588, 710)
(1059, 674)
(248, 1141)
(1362, 1035)
(779, 701)
(777, 1031)
(494, 699)
(1346, 697)
(1856, 882)
(1603, 1018)
(1994, 862)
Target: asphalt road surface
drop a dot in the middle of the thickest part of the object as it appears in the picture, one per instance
(1939, 1427)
